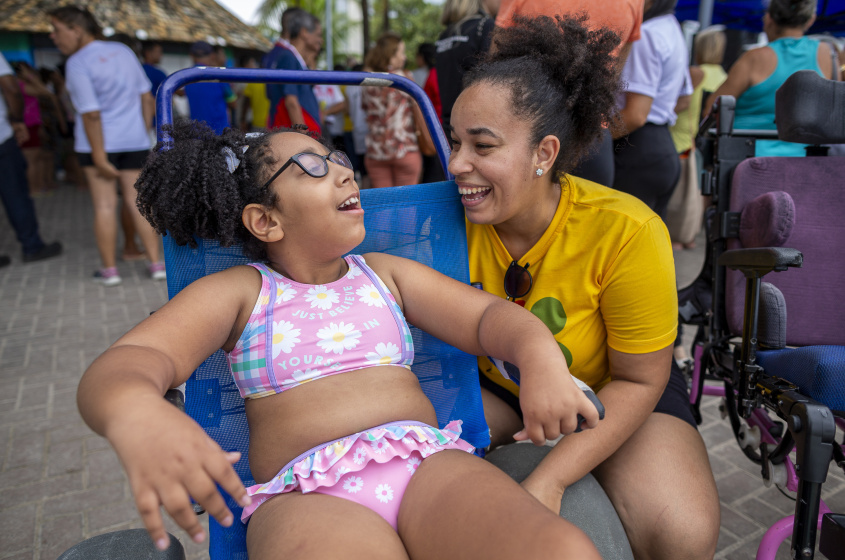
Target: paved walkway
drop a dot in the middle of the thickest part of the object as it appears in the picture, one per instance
(60, 483)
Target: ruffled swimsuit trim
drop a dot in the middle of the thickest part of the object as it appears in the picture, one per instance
(325, 465)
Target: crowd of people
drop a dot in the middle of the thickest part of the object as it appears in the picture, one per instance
(572, 126)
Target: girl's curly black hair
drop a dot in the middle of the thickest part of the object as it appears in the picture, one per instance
(185, 188)
(562, 78)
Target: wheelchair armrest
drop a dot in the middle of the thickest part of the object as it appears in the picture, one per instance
(176, 398)
(757, 262)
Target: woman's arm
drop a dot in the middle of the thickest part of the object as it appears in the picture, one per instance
(166, 455)
(739, 79)
(635, 113)
(638, 380)
(94, 131)
(484, 325)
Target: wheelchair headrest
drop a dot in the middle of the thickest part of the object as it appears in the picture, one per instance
(810, 109)
(767, 220)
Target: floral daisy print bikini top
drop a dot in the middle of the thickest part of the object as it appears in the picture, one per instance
(301, 332)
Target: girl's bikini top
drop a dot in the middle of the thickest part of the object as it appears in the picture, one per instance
(300, 332)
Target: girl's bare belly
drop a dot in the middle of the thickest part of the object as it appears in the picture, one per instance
(288, 424)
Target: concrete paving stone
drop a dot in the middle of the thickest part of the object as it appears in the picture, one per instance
(736, 486)
(32, 397)
(192, 549)
(726, 538)
(41, 489)
(764, 511)
(11, 478)
(834, 500)
(82, 500)
(59, 533)
(64, 457)
(18, 527)
(104, 467)
(737, 523)
(111, 516)
(22, 555)
(27, 452)
(71, 431)
(95, 443)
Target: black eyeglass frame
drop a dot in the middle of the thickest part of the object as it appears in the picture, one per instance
(510, 280)
(342, 160)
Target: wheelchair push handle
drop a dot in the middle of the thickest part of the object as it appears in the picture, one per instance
(177, 80)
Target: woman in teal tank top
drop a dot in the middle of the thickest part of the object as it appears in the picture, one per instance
(757, 74)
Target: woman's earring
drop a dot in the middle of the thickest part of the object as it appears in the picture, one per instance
(539, 172)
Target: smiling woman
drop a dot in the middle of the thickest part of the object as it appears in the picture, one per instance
(595, 265)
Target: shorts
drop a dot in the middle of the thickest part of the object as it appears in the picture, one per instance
(371, 468)
(34, 137)
(121, 160)
(674, 401)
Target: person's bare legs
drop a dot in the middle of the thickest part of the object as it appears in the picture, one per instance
(104, 199)
(127, 224)
(663, 489)
(459, 506)
(314, 525)
(148, 235)
(33, 170)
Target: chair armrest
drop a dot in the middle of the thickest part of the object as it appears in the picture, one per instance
(757, 262)
(176, 398)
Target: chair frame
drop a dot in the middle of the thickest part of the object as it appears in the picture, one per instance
(748, 391)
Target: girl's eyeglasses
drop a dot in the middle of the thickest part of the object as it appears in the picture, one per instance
(313, 164)
(518, 281)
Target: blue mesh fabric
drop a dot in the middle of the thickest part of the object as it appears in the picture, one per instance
(819, 371)
(421, 222)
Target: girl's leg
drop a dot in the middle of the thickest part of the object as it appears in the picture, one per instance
(663, 489)
(459, 506)
(148, 235)
(313, 525)
(33, 170)
(104, 198)
(380, 173)
(130, 248)
(407, 170)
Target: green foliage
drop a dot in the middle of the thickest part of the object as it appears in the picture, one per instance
(415, 20)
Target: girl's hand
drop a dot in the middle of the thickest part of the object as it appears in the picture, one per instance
(551, 402)
(169, 460)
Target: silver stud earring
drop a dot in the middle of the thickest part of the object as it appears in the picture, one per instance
(539, 172)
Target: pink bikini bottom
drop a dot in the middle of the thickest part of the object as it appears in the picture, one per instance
(371, 468)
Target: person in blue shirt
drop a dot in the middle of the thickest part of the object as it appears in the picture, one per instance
(151, 55)
(301, 40)
(209, 101)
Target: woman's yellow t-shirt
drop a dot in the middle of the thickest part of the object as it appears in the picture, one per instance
(603, 276)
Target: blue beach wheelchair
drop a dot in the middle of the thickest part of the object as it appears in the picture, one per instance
(421, 222)
(782, 375)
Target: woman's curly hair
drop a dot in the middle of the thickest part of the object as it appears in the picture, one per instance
(562, 78)
(185, 188)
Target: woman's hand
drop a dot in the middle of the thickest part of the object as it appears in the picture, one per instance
(551, 402)
(169, 459)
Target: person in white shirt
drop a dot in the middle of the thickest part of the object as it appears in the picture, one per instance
(111, 95)
(14, 188)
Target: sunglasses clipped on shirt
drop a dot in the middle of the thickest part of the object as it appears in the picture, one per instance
(518, 281)
(313, 164)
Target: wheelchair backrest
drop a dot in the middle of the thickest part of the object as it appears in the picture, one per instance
(421, 222)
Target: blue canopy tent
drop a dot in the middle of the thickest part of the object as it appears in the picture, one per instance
(748, 14)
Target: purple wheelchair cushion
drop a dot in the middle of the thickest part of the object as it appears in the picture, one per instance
(818, 371)
(815, 293)
(767, 220)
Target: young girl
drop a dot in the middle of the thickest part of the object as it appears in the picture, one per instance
(355, 424)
